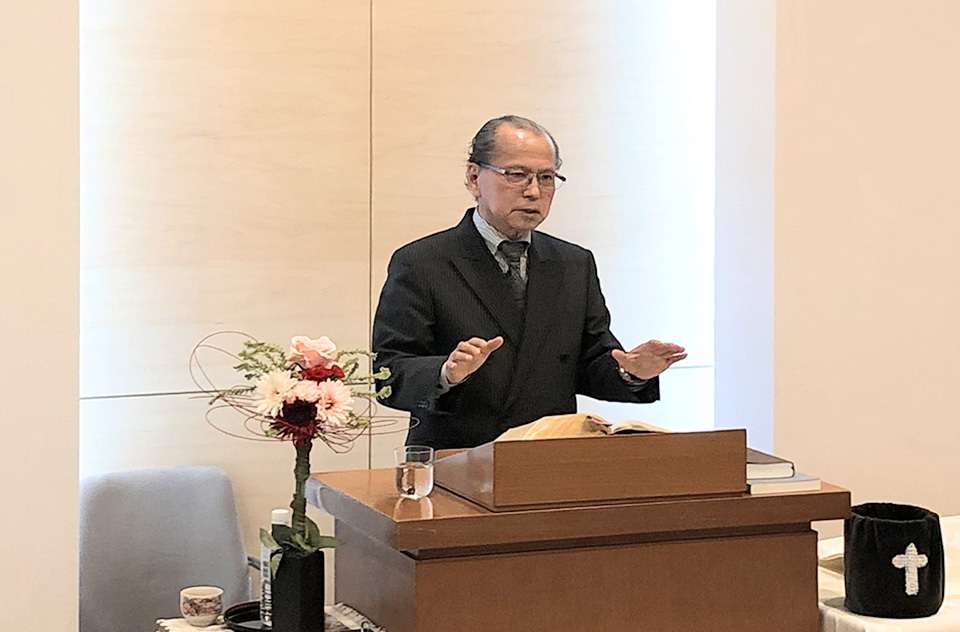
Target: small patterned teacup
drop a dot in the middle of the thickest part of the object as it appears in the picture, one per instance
(201, 605)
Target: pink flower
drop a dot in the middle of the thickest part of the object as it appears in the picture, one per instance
(310, 353)
(334, 403)
(303, 390)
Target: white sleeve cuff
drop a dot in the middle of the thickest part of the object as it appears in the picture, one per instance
(444, 384)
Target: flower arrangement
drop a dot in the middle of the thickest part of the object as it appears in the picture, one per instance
(303, 394)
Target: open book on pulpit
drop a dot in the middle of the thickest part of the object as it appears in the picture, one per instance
(577, 425)
(575, 459)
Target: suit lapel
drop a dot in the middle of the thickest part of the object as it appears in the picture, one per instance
(544, 281)
(482, 274)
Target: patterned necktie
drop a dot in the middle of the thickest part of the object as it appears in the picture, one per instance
(512, 251)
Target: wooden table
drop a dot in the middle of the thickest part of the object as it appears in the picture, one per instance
(736, 563)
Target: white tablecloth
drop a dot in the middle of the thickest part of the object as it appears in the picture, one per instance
(835, 618)
(336, 614)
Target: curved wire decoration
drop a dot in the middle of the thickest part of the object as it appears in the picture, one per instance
(251, 425)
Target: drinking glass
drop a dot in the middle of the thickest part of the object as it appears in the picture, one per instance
(414, 469)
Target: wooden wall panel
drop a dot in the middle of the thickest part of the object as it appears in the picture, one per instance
(228, 182)
(626, 89)
(225, 186)
(225, 180)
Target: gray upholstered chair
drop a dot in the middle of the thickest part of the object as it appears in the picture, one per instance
(144, 535)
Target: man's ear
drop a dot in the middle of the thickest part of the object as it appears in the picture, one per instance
(472, 175)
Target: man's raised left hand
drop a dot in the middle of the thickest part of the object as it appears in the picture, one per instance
(649, 359)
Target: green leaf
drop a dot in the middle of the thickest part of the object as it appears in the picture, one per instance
(314, 540)
(350, 367)
(257, 358)
(275, 563)
(267, 540)
(282, 533)
(313, 532)
(356, 421)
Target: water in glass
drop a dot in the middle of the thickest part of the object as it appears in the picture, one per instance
(415, 480)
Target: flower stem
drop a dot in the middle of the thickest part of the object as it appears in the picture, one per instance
(301, 471)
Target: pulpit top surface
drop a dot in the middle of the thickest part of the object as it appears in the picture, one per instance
(368, 500)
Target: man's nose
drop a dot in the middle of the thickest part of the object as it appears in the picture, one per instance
(533, 189)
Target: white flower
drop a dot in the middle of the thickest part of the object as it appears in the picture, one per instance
(272, 388)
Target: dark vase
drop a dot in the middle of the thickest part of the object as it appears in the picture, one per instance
(893, 561)
(298, 596)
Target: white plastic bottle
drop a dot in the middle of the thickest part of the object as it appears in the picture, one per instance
(277, 516)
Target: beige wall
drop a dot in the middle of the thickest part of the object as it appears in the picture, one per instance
(867, 265)
(38, 254)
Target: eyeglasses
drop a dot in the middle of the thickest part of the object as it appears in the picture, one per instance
(521, 178)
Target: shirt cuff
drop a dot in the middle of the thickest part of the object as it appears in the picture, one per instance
(444, 384)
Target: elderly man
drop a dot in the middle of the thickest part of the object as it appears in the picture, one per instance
(493, 324)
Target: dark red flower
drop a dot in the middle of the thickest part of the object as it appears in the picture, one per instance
(297, 422)
(319, 374)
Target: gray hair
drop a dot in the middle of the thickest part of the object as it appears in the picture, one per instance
(483, 147)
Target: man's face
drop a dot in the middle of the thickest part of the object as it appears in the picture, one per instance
(513, 209)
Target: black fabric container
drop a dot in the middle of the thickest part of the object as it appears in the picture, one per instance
(297, 593)
(893, 561)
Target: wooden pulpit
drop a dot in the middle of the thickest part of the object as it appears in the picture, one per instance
(591, 534)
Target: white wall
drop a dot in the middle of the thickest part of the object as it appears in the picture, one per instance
(867, 264)
(746, 68)
(39, 372)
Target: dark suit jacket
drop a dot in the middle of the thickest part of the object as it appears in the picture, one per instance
(447, 287)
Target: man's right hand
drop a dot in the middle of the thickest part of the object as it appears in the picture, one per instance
(468, 357)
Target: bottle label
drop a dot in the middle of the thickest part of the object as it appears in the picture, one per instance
(266, 599)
